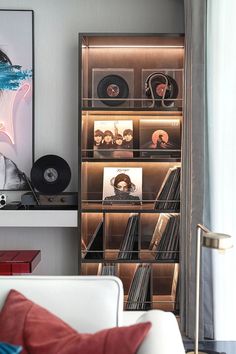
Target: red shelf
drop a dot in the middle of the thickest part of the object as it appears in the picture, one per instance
(19, 262)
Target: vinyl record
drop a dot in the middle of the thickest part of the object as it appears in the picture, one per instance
(113, 86)
(50, 174)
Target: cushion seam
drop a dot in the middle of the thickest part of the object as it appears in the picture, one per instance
(106, 339)
(24, 341)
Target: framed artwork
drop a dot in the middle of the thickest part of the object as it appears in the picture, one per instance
(16, 98)
(113, 138)
(158, 135)
(122, 185)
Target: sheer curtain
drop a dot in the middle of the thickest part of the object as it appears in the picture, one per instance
(221, 109)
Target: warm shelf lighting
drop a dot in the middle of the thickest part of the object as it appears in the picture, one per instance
(135, 46)
(163, 121)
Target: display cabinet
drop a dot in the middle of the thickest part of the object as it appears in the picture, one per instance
(130, 122)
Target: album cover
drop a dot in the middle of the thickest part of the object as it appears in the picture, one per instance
(168, 196)
(158, 135)
(159, 231)
(162, 88)
(94, 250)
(112, 87)
(113, 138)
(129, 245)
(122, 185)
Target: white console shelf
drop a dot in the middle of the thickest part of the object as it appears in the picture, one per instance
(38, 218)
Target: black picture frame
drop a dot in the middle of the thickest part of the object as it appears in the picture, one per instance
(17, 128)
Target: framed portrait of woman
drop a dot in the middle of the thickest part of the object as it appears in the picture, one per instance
(16, 98)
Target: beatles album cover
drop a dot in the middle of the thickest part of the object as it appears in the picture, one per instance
(122, 185)
(113, 138)
(159, 135)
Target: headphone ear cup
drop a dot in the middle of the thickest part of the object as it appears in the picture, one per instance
(173, 87)
(147, 87)
(171, 92)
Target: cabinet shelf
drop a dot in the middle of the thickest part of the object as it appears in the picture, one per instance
(136, 159)
(145, 208)
(130, 111)
(134, 104)
(133, 109)
(135, 155)
(127, 261)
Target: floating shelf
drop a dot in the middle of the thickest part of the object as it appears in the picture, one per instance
(128, 261)
(38, 218)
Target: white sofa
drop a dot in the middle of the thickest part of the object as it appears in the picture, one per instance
(90, 304)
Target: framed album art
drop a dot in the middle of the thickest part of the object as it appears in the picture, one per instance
(159, 135)
(122, 185)
(16, 98)
(113, 138)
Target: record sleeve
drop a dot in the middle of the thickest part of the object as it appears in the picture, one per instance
(113, 139)
(95, 244)
(159, 231)
(122, 185)
(160, 136)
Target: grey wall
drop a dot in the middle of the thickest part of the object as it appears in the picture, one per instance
(57, 23)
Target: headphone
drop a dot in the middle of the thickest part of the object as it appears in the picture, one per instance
(161, 87)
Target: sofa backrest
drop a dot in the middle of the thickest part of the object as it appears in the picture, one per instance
(87, 303)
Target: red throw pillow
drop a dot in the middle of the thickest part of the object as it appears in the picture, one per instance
(22, 322)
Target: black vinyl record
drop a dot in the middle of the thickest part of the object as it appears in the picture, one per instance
(50, 174)
(113, 86)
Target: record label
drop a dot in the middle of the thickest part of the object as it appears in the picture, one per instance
(50, 174)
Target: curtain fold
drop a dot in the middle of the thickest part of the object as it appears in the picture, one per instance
(194, 209)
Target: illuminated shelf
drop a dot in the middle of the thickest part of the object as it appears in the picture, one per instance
(144, 208)
(123, 111)
(128, 261)
(38, 218)
(133, 110)
(138, 159)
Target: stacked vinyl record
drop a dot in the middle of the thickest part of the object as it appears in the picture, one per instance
(107, 269)
(138, 292)
(168, 197)
(130, 239)
(165, 240)
(95, 246)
